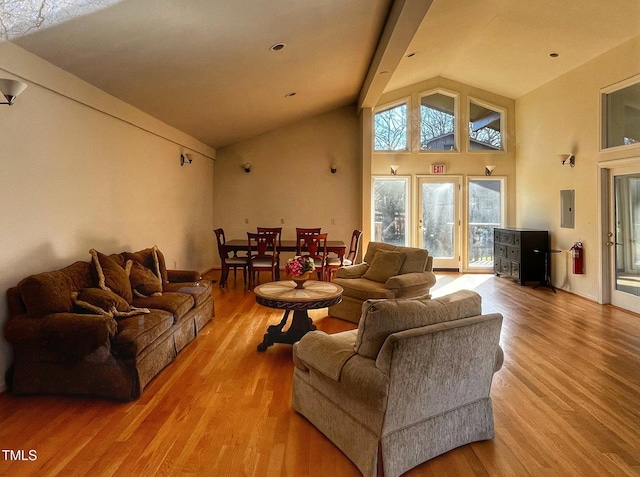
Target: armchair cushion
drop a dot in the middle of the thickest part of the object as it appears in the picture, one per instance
(352, 271)
(326, 353)
(380, 318)
(385, 264)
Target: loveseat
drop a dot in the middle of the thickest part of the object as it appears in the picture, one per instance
(387, 271)
(104, 327)
(411, 383)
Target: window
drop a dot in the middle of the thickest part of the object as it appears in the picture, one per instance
(438, 122)
(621, 109)
(390, 210)
(485, 127)
(390, 128)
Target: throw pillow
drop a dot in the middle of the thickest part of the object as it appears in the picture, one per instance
(104, 302)
(110, 276)
(385, 264)
(143, 281)
(381, 318)
(46, 293)
(152, 259)
(99, 301)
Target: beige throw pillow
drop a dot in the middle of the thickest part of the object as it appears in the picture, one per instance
(385, 264)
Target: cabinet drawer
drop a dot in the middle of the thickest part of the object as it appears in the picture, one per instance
(513, 253)
(506, 237)
(500, 250)
(515, 270)
(505, 267)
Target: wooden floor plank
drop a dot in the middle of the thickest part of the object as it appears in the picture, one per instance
(566, 402)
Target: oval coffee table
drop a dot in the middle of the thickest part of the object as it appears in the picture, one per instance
(285, 296)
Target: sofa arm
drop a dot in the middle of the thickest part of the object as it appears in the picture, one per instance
(352, 271)
(416, 279)
(178, 276)
(325, 353)
(74, 334)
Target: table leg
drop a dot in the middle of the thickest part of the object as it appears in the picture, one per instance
(300, 325)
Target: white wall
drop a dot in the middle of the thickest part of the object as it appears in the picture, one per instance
(563, 116)
(290, 179)
(73, 178)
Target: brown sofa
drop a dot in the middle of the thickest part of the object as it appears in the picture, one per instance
(104, 327)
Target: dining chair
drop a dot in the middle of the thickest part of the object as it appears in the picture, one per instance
(313, 230)
(228, 262)
(275, 230)
(263, 255)
(315, 246)
(333, 263)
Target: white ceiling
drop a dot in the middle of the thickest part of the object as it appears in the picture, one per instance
(205, 67)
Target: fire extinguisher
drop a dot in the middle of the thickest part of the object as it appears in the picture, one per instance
(577, 253)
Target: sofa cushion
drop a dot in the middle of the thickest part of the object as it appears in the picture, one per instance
(381, 318)
(46, 293)
(143, 281)
(200, 290)
(178, 304)
(110, 276)
(137, 332)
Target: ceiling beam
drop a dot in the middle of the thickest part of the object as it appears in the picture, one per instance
(402, 24)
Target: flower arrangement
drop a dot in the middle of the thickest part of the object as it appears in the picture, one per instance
(298, 265)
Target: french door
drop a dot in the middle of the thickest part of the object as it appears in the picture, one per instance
(439, 220)
(624, 236)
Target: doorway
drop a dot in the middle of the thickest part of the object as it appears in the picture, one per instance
(623, 236)
(439, 220)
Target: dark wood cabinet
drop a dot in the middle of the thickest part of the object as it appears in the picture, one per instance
(514, 256)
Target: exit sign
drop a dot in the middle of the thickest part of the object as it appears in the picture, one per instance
(437, 169)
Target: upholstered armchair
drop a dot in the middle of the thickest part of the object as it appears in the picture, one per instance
(412, 382)
(387, 271)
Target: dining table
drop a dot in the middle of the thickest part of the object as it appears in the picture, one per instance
(242, 245)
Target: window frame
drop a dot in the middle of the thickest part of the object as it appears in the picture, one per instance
(456, 120)
(503, 125)
(385, 107)
(407, 179)
(604, 92)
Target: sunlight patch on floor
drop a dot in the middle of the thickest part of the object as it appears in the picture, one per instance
(446, 284)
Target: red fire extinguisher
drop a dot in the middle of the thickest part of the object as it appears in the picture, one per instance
(577, 253)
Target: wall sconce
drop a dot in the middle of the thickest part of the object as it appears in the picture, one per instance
(394, 169)
(247, 167)
(334, 168)
(185, 159)
(569, 159)
(488, 170)
(10, 89)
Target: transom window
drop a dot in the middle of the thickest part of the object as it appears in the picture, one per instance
(485, 127)
(390, 128)
(438, 122)
(621, 110)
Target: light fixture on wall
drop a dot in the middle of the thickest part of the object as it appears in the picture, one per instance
(488, 169)
(10, 89)
(394, 169)
(247, 167)
(334, 168)
(568, 159)
(185, 159)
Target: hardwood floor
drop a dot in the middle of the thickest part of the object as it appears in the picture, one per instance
(566, 402)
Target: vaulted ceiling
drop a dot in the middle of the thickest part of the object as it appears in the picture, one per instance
(207, 67)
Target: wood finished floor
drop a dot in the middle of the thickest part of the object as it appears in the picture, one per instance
(566, 402)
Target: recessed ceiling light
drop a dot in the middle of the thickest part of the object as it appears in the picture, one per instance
(289, 94)
(277, 46)
(554, 55)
